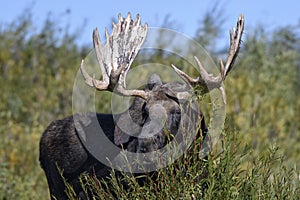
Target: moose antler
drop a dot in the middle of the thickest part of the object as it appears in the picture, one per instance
(207, 81)
(116, 56)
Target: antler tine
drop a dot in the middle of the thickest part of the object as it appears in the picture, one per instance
(186, 77)
(138, 20)
(235, 43)
(99, 54)
(208, 82)
(116, 55)
(100, 85)
(91, 81)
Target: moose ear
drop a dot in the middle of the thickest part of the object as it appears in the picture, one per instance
(154, 81)
(125, 128)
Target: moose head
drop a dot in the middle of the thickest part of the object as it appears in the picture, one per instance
(156, 108)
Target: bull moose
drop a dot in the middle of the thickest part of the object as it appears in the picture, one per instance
(62, 148)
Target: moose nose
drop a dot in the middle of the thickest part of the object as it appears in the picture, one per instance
(143, 150)
(156, 123)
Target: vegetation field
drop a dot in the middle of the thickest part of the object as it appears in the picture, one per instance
(260, 157)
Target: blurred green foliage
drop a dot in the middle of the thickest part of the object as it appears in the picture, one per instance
(264, 91)
(38, 68)
(37, 75)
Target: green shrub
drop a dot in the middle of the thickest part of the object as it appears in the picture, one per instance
(233, 174)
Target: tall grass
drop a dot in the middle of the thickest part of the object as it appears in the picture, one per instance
(232, 174)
